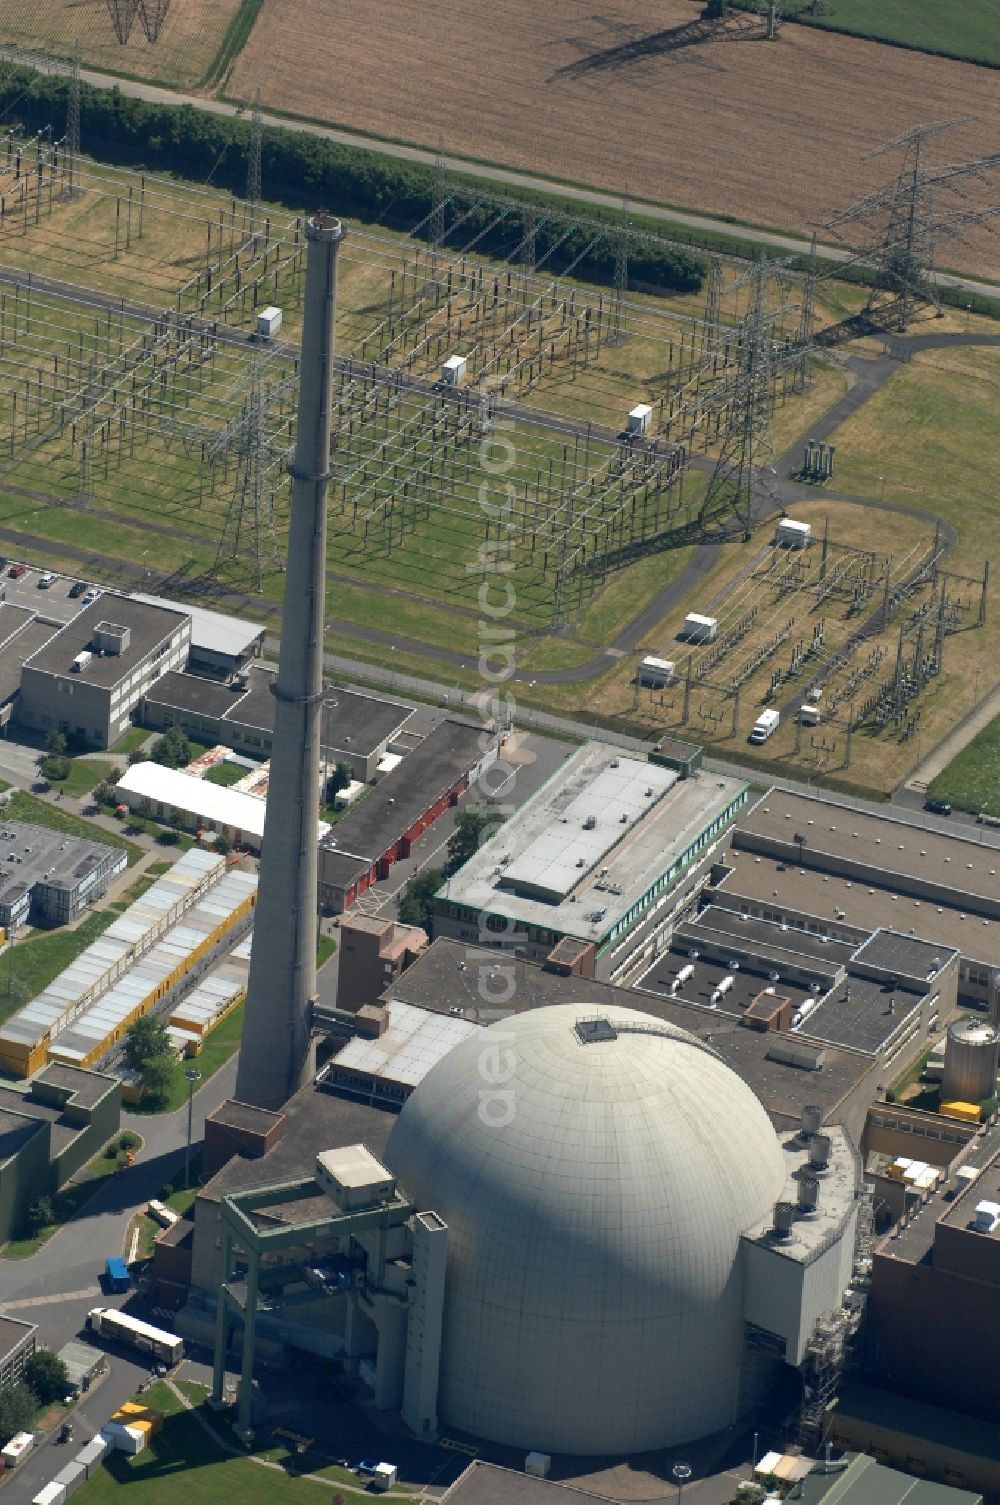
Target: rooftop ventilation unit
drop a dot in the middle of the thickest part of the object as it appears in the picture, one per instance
(784, 1215)
(592, 1031)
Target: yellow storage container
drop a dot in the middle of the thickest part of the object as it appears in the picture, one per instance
(967, 1112)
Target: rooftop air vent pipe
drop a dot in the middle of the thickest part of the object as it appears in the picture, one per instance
(820, 1147)
(784, 1216)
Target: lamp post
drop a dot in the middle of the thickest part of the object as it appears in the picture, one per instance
(681, 1473)
(192, 1077)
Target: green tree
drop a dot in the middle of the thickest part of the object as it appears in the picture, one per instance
(17, 1408)
(55, 743)
(472, 828)
(158, 1074)
(46, 1375)
(416, 907)
(39, 1215)
(55, 768)
(173, 749)
(222, 845)
(339, 779)
(146, 1039)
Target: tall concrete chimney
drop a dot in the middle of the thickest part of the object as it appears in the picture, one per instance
(275, 1055)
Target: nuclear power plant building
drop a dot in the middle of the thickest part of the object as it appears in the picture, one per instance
(581, 1233)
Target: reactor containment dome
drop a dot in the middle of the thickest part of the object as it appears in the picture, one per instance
(596, 1174)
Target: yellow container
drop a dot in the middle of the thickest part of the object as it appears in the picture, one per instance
(968, 1112)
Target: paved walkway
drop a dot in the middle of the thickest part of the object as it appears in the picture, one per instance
(936, 761)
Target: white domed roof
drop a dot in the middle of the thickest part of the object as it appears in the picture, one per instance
(595, 1194)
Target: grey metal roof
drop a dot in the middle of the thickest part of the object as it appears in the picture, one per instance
(190, 692)
(587, 815)
(211, 630)
(861, 1014)
(626, 860)
(865, 1482)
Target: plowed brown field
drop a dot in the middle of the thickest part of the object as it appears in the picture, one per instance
(191, 36)
(769, 132)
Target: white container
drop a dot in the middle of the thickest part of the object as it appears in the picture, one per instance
(809, 715)
(385, 1476)
(18, 1447)
(793, 535)
(71, 1477)
(50, 1494)
(268, 322)
(699, 629)
(639, 418)
(656, 673)
(82, 660)
(765, 726)
(453, 370)
(538, 1465)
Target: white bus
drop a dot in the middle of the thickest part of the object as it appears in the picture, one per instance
(166, 1347)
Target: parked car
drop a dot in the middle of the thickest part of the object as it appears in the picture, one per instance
(17, 570)
(92, 595)
(77, 589)
(45, 580)
(937, 807)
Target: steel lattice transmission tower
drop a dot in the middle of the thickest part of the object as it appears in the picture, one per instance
(904, 224)
(436, 226)
(740, 479)
(249, 531)
(254, 161)
(73, 122)
(152, 14)
(123, 14)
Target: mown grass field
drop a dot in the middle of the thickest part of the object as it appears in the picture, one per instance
(971, 781)
(968, 30)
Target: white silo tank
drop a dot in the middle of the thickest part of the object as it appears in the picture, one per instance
(970, 1062)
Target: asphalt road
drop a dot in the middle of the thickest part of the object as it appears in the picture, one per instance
(508, 178)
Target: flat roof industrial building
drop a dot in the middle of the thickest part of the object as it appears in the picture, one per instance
(357, 725)
(380, 828)
(88, 678)
(599, 844)
(218, 641)
(48, 877)
(231, 812)
(854, 871)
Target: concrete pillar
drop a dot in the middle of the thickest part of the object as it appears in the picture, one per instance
(275, 1053)
(424, 1324)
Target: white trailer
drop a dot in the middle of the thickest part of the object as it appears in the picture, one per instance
(793, 535)
(656, 673)
(699, 629)
(639, 419)
(809, 715)
(268, 322)
(765, 726)
(453, 370)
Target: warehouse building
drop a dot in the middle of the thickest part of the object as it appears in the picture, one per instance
(358, 727)
(606, 845)
(47, 878)
(826, 868)
(88, 679)
(50, 1132)
(200, 804)
(381, 828)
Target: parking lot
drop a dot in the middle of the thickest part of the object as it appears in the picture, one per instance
(53, 603)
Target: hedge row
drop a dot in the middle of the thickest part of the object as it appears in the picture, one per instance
(303, 170)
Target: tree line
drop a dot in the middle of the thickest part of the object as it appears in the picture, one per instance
(305, 171)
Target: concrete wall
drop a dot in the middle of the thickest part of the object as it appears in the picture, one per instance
(23, 1177)
(98, 1125)
(934, 1334)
